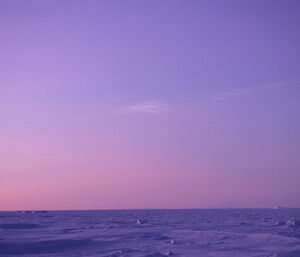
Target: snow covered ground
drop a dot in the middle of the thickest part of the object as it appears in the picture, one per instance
(205, 233)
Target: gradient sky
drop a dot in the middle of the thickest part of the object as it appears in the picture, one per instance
(149, 104)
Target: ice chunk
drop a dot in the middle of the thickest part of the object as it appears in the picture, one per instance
(169, 253)
(280, 223)
(139, 221)
(293, 223)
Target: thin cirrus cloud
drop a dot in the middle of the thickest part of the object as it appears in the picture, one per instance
(244, 92)
(230, 94)
(149, 107)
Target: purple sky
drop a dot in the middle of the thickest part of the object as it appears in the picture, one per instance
(149, 104)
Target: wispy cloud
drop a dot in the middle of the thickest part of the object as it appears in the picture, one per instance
(243, 92)
(149, 107)
(273, 86)
(229, 94)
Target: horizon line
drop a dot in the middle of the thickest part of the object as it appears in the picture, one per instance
(149, 209)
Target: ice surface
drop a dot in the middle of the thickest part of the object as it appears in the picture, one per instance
(141, 233)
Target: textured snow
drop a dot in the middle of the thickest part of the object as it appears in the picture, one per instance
(207, 233)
